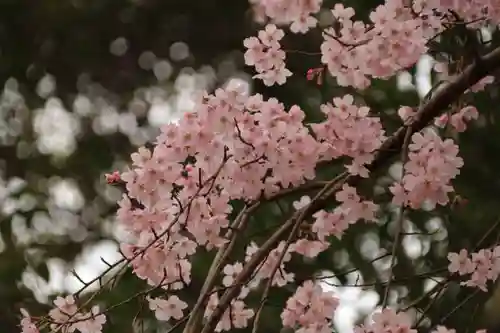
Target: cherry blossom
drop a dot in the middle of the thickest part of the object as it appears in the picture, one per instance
(483, 266)
(460, 262)
(266, 55)
(231, 271)
(432, 164)
(91, 322)
(27, 325)
(166, 309)
(310, 308)
(65, 310)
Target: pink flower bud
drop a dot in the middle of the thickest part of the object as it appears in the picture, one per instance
(112, 178)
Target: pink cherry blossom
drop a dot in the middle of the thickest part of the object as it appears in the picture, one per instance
(27, 326)
(91, 322)
(266, 55)
(483, 266)
(231, 272)
(432, 165)
(65, 309)
(271, 36)
(310, 307)
(166, 309)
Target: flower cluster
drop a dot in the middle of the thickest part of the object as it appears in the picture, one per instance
(234, 147)
(432, 164)
(394, 40)
(351, 209)
(349, 131)
(165, 264)
(482, 266)
(310, 309)
(266, 55)
(296, 13)
(477, 12)
(66, 318)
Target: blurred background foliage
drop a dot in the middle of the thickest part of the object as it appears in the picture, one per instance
(86, 82)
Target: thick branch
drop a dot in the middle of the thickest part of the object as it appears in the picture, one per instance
(439, 101)
(391, 147)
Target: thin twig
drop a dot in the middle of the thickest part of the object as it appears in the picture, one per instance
(399, 222)
(431, 303)
(462, 303)
(352, 270)
(387, 282)
(265, 295)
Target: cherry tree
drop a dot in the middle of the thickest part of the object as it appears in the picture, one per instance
(199, 187)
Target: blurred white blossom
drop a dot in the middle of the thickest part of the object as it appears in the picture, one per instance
(56, 129)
